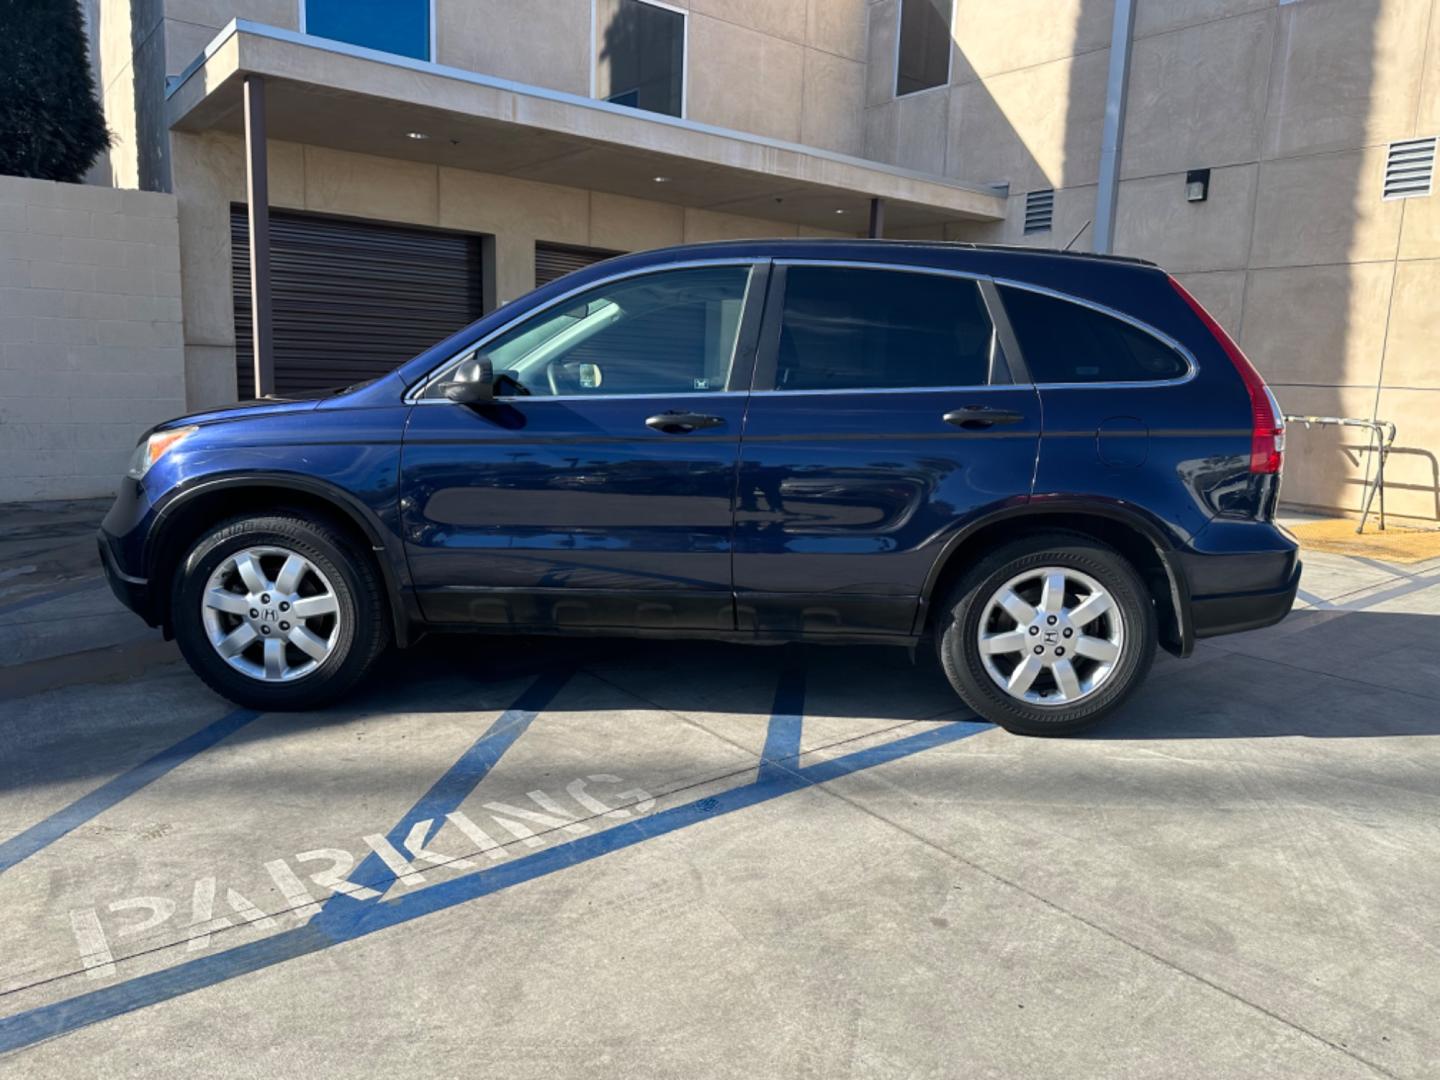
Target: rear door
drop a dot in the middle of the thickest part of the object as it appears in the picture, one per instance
(883, 419)
(596, 491)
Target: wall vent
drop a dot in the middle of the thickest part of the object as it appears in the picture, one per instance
(1040, 209)
(1410, 168)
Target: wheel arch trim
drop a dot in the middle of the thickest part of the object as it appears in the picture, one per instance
(1034, 512)
(394, 572)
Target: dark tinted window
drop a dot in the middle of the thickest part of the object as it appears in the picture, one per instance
(640, 55)
(857, 329)
(924, 55)
(1065, 342)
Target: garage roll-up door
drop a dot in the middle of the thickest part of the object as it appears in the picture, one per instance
(557, 260)
(352, 299)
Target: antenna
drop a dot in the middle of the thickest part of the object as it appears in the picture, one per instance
(1076, 236)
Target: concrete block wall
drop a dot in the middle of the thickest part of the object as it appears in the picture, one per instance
(91, 343)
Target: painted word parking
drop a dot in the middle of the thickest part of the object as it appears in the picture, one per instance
(437, 857)
(303, 885)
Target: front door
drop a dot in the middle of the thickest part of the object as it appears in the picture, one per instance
(883, 419)
(596, 491)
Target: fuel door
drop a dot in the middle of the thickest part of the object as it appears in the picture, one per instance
(1122, 442)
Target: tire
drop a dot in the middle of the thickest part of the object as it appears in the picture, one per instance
(339, 582)
(1108, 654)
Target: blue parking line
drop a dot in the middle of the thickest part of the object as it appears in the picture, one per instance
(83, 809)
(782, 741)
(48, 1021)
(447, 793)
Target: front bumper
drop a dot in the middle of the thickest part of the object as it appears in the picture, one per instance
(133, 592)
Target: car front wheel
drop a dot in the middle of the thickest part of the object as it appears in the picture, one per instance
(278, 611)
(1048, 634)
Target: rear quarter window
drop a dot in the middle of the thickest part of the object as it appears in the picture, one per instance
(1066, 342)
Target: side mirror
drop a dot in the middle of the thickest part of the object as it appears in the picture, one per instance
(473, 383)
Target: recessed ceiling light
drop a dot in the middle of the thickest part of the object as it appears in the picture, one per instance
(839, 211)
(662, 179)
(416, 135)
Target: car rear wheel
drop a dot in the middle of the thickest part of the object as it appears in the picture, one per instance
(278, 612)
(1048, 634)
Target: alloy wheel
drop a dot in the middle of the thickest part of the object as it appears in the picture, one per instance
(270, 613)
(1051, 636)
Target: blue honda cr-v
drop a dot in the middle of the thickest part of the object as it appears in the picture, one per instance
(1045, 462)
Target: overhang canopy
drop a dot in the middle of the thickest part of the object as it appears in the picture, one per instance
(328, 93)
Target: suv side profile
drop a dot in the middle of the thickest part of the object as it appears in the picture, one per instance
(1048, 463)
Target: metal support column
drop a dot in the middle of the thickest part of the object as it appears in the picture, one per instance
(877, 219)
(257, 192)
(1117, 88)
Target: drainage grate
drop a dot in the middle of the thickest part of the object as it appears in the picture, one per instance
(1040, 209)
(1410, 168)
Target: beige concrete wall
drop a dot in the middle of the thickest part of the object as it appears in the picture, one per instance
(90, 335)
(1331, 290)
(209, 176)
(788, 69)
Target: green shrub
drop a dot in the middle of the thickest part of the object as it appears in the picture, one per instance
(51, 126)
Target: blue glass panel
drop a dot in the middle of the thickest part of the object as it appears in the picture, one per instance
(393, 26)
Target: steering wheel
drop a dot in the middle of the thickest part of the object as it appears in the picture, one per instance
(551, 377)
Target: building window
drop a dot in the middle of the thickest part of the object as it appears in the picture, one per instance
(392, 26)
(640, 55)
(923, 56)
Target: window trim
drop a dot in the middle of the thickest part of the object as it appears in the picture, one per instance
(1143, 327)
(766, 360)
(895, 94)
(428, 59)
(684, 56)
(745, 334)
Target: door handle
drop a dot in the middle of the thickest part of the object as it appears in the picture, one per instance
(680, 423)
(980, 417)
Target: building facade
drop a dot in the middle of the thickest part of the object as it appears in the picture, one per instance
(441, 156)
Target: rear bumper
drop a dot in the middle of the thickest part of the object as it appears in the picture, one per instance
(1239, 590)
(1234, 612)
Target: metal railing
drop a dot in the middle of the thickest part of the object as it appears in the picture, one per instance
(1380, 436)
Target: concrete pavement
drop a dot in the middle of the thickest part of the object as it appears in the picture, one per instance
(653, 860)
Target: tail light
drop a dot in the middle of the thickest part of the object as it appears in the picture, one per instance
(1267, 426)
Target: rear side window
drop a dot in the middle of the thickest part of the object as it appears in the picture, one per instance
(858, 329)
(1065, 342)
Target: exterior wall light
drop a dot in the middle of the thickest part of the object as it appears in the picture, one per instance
(416, 135)
(1197, 185)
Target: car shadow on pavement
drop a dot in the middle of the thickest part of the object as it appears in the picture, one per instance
(1335, 676)
(1325, 675)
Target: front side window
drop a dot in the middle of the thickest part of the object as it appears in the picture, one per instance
(640, 55)
(1065, 342)
(849, 328)
(393, 26)
(923, 59)
(666, 333)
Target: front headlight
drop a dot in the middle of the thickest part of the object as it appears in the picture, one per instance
(154, 448)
